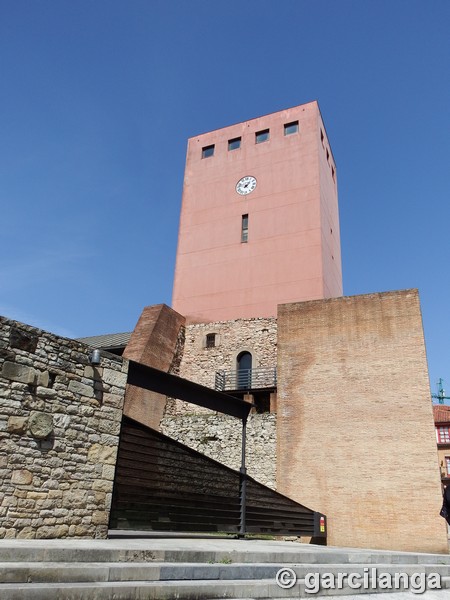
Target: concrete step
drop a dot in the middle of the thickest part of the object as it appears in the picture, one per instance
(168, 590)
(204, 551)
(193, 569)
(61, 572)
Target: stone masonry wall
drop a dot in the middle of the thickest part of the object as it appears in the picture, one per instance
(219, 437)
(59, 431)
(215, 435)
(199, 363)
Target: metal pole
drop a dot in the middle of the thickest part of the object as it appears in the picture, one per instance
(243, 482)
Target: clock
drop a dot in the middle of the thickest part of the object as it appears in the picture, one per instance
(246, 185)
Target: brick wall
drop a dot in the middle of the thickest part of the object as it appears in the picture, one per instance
(59, 431)
(156, 341)
(355, 426)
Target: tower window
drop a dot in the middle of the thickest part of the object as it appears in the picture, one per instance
(210, 340)
(290, 128)
(321, 137)
(244, 229)
(208, 151)
(328, 156)
(234, 144)
(262, 136)
(333, 174)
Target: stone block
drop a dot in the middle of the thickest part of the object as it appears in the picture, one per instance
(27, 533)
(108, 472)
(10, 534)
(23, 340)
(17, 425)
(49, 532)
(102, 454)
(89, 372)
(81, 389)
(116, 378)
(111, 427)
(102, 486)
(44, 392)
(100, 517)
(37, 495)
(43, 378)
(113, 400)
(19, 373)
(21, 477)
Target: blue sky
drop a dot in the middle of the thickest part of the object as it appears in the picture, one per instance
(98, 98)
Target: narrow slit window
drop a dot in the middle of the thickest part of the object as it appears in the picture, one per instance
(234, 144)
(262, 136)
(210, 340)
(321, 137)
(328, 157)
(290, 128)
(208, 151)
(244, 229)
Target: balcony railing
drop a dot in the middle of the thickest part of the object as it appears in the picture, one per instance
(246, 379)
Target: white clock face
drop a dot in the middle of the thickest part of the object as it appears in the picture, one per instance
(246, 185)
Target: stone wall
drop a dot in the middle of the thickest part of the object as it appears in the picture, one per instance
(219, 437)
(215, 435)
(199, 363)
(356, 436)
(59, 431)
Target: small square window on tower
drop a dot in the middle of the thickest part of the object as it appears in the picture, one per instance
(262, 136)
(210, 340)
(234, 144)
(290, 128)
(208, 151)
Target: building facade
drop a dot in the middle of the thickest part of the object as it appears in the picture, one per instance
(442, 424)
(342, 413)
(259, 222)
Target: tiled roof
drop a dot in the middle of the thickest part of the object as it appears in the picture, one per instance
(441, 413)
(110, 340)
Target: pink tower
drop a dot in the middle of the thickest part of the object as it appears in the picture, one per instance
(259, 222)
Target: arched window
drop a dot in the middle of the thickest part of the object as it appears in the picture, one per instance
(244, 370)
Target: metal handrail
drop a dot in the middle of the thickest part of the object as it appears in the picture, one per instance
(246, 379)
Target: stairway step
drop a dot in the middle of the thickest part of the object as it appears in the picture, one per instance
(59, 572)
(238, 552)
(167, 590)
(182, 590)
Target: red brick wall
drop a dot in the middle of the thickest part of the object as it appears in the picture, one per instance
(152, 343)
(355, 426)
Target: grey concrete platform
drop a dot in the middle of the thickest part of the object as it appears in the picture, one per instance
(195, 568)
